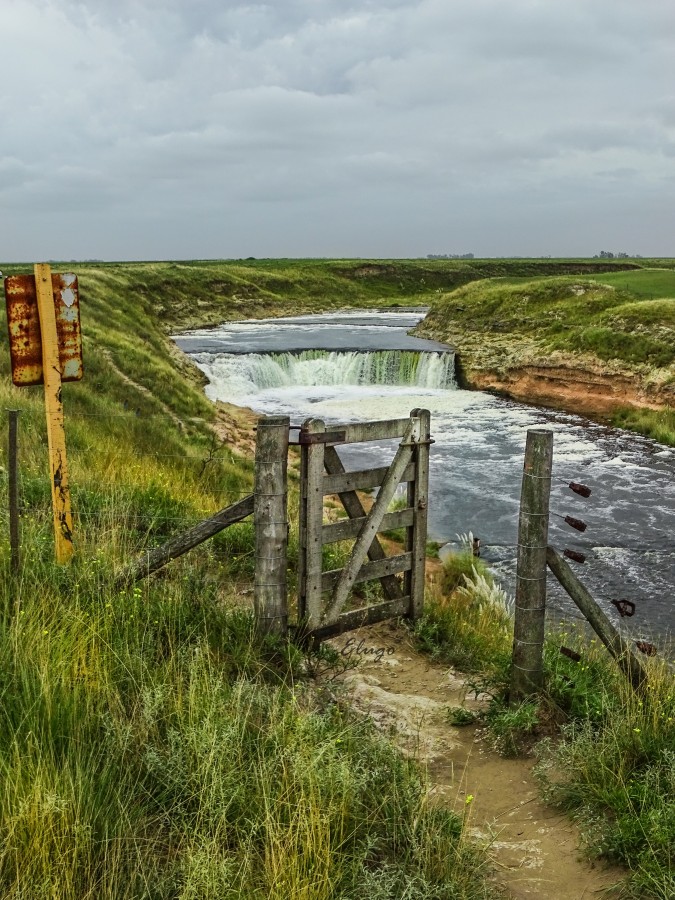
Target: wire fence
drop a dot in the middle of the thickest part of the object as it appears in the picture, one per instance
(89, 506)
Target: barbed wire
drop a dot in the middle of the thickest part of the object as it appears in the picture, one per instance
(158, 519)
(130, 412)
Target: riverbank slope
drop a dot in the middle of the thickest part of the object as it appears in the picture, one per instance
(601, 346)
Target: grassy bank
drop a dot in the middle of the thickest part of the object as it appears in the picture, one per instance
(624, 319)
(151, 744)
(177, 295)
(604, 754)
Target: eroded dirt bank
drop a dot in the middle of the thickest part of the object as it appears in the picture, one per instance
(534, 849)
(580, 383)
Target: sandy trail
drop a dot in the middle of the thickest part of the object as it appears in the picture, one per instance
(534, 848)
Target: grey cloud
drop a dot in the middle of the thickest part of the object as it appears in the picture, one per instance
(388, 122)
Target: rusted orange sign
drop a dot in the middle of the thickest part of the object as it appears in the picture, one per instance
(25, 339)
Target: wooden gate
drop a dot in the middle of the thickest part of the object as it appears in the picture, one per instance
(324, 595)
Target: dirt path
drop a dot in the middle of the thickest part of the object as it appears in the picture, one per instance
(534, 848)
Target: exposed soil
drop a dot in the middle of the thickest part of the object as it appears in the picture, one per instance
(534, 848)
(522, 370)
(578, 389)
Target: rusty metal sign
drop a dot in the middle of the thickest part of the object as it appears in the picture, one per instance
(25, 340)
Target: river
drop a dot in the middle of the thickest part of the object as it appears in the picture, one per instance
(363, 365)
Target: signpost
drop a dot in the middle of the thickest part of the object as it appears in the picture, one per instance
(43, 316)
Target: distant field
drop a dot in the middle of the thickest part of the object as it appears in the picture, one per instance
(183, 294)
(651, 284)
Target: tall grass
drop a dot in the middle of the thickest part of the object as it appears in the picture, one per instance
(152, 745)
(466, 621)
(605, 754)
(613, 765)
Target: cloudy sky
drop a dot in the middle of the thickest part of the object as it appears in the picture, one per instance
(154, 129)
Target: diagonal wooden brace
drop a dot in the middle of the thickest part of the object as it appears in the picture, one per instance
(371, 526)
(355, 510)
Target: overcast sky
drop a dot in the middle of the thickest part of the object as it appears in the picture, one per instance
(155, 129)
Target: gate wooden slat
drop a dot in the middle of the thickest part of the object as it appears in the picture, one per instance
(369, 530)
(321, 616)
(361, 480)
(349, 528)
(374, 431)
(370, 571)
(270, 513)
(312, 516)
(354, 508)
(366, 615)
(418, 499)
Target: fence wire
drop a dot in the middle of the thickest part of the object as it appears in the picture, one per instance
(156, 521)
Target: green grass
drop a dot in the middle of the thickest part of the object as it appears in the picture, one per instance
(659, 425)
(605, 754)
(645, 283)
(152, 744)
(564, 313)
(465, 621)
(613, 765)
(622, 318)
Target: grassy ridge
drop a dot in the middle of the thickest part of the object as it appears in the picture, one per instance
(626, 318)
(151, 744)
(184, 294)
(613, 322)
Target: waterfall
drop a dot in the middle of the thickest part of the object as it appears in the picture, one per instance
(251, 372)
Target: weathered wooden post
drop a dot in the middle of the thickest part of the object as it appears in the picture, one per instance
(528, 638)
(13, 485)
(311, 521)
(271, 524)
(418, 499)
(56, 435)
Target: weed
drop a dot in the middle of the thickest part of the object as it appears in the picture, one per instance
(511, 726)
(465, 621)
(460, 715)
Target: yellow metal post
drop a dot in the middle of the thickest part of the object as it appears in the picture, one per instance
(56, 435)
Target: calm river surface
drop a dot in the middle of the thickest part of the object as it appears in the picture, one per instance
(363, 365)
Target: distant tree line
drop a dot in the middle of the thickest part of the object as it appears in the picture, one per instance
(450, 256)
(607, 254)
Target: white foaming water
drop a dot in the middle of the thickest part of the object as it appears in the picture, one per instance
(252, 373)
(477, 460)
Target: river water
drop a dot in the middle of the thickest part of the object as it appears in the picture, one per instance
(363, 366)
